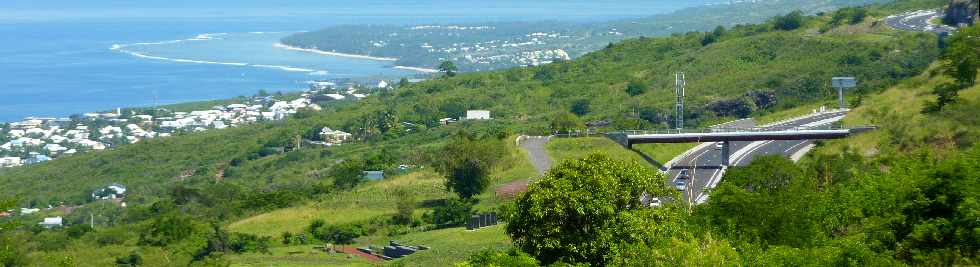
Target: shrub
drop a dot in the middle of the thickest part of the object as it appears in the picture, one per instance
(637, 87)
(134, 259)
(789, 22)
(581, 107)
(454, 212)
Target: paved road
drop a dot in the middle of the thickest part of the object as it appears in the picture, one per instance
(536, 152)
(704, 162)
(917, 21)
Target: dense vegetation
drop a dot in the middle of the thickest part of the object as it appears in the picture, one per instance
(211, 197)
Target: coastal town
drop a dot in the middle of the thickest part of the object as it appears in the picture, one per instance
(37, 139)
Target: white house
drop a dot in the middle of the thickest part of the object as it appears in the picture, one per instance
(7, 162)
(52, 222)
(477, 115)
(334, 136)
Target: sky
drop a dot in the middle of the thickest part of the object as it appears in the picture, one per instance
(100, 9)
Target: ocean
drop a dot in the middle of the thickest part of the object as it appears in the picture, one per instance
(84, 58)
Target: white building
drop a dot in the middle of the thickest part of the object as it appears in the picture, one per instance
(334, 137)
(7, 162)
(52, 222)
(478, 115)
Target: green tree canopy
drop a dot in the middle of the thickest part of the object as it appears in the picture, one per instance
(637, 87)
(582, 210)
(789, 22)
(467, 164)
(448, 68)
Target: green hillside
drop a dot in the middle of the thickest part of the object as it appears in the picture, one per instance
(236, 192)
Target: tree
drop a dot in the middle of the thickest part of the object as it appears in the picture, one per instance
(167, 229)
(405, 207)
(452, 212)
(348, 174)
(448, 68)
(582, 210)
(946, 94)
(469, 178)
(403, 82)
(740, 107)
(581, 107)
(961, 60)
(789, 22)
(636, 87)
(467, 163)
(565, 122)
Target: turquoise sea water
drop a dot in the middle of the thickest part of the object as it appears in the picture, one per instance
(83, 57)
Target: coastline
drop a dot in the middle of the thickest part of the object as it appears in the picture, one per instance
(336, 54)
(423, 70)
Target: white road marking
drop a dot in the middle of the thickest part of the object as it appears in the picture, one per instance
(794, 146)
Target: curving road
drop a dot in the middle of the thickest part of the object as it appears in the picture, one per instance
(918, 21)
(704, 161)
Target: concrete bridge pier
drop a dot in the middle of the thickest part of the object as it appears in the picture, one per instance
(726, 154)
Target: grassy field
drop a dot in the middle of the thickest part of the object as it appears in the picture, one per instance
(664, 152)
(562, 149)
(361, 204)
(452, 245)
(297, 256)
(376, 200)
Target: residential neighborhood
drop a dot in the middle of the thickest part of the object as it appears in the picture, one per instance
(36, 140)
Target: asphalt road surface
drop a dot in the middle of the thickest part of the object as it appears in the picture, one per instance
(917, 21)
(705, 164)
(536, 152)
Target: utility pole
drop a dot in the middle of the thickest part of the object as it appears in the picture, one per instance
(679, 91)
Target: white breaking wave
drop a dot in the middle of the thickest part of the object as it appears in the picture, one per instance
(204, 37)
(285, 68)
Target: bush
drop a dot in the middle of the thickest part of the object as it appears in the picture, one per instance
(454, 212)
(789, 22)
(337, 234)
(134, 259)
(511, 257)
(77, 231)
(581, 107)
(167, 229)
(637, 87)
(565, 122)
(740, 107)
(405, 207)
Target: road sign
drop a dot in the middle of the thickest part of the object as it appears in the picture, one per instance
(843, 82)
(840, 83)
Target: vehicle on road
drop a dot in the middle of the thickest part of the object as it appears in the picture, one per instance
(681, 184)
(655, 202)
(719, 145)
(684, 174)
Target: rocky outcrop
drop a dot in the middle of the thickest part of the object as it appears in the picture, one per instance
(961, 11)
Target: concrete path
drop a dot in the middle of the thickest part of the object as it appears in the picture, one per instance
(536, 151)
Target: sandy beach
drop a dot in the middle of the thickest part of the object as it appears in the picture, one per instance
(335, 54)
(327, 53)
(425, 70)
